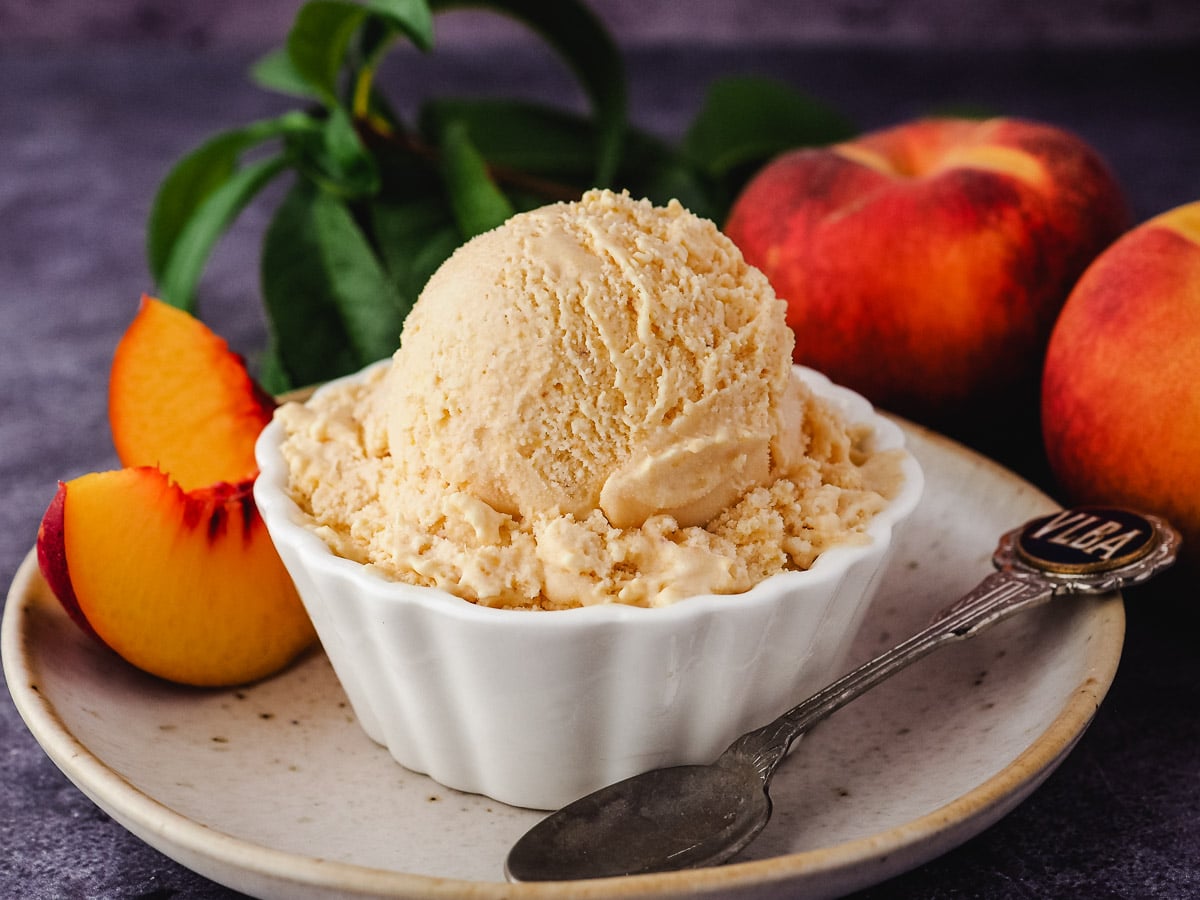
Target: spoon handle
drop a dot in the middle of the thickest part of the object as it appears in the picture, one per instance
(1084, 550)
(1000, 595)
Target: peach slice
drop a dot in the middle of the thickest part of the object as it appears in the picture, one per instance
(167, 561)
(185, 585)
(52, 560)
(181, 400)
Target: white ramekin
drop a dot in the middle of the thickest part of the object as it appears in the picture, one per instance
(536, 708)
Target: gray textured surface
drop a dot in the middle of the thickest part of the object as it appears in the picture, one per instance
(84, 137)
(722, 22)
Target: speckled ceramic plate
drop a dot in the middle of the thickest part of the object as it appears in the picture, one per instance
(274, 790)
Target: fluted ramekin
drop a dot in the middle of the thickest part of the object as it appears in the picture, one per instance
(536, 708)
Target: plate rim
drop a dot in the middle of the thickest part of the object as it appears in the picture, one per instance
(216, 854)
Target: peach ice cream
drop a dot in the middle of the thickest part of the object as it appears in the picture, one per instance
(593, 403)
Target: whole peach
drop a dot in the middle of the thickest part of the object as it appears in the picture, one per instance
(924, 265)
(1121, 388)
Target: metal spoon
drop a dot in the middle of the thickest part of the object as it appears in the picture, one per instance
(701, 815)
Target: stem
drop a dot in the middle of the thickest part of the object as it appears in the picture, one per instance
(360, 104)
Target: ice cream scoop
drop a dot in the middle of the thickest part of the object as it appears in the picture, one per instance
(601, 354)
(592, 403)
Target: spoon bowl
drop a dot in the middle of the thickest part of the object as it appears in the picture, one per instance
(684, 817)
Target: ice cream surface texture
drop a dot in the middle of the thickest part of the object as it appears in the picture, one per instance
(591, 403)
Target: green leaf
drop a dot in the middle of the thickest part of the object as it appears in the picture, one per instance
(519, 135)
(322, 32)
(271, 374)
(317, 42)
(332, 308)
(275, 72)
(414, 236)
(478, 204)
(191, 249)
(349, 159)
(333, 155)
(413, 17)
(583, 42)
(197, 175)
(746, 120)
